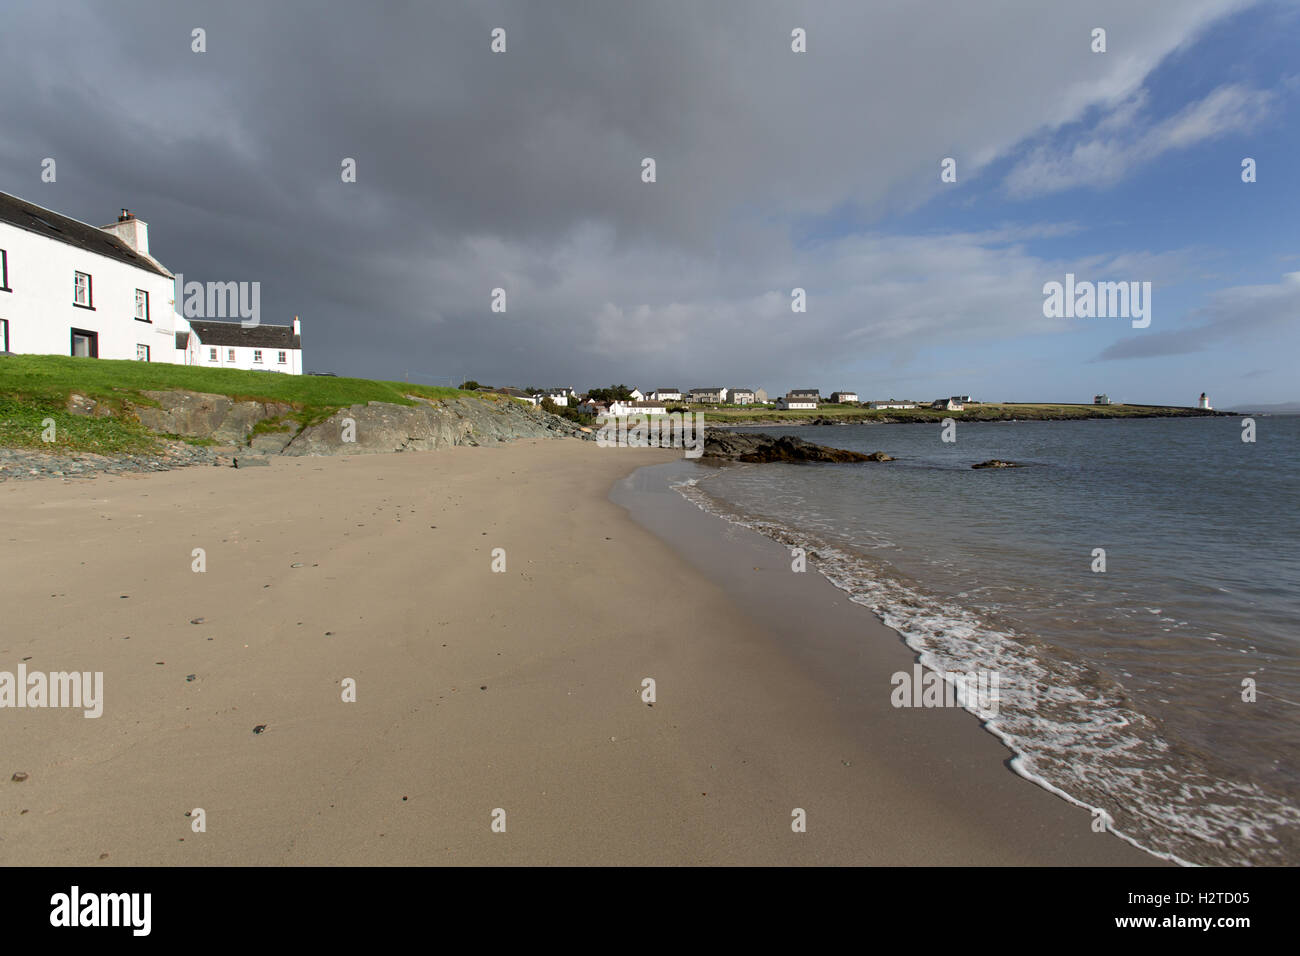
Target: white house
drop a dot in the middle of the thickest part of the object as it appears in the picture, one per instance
(740, 396)
(69, 288)
(804, 394)
(667, 395)
(258, 348)
(637, 395)
(620, 407)
(948, 404)
(560, 395)
(891, 403)
(843, 398)
(786, 402)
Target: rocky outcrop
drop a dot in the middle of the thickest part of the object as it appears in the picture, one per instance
(203, 415)
(374, 428)
(998, 463)
(759, 447)
(380, 427)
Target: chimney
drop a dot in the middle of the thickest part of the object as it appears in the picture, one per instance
(132, 231)
(297, 327)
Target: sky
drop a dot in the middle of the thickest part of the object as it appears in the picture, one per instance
(774, 170)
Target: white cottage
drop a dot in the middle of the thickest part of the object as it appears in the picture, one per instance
(69, 288)
(258, 348)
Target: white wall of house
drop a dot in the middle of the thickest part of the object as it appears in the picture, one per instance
(785, 403)
(40, 315)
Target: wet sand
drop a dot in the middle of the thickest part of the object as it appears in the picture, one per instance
(476, 690)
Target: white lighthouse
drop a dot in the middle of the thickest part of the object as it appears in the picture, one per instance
(1203, 402)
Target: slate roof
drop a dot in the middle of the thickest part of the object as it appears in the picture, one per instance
(52, 225)
(257, 336)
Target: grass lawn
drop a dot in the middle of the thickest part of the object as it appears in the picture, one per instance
(34, 388)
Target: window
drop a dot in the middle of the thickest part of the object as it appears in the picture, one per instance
(284, 358)
(212, 355)
(4, 271)
(257, 356)
(82, 290)
(230, 355)
(142, 353)
(85, 344)
(4, 335)
(141, 305)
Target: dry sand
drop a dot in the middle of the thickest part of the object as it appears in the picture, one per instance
(758, 711)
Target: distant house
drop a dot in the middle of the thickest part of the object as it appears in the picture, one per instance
(637, 395)
(560, 395)
(1101, 399)
(760, 396)
(786, 402)
(257, 348)
(948, 404)
(709, 396)
(592, 407)
(667, 394)
(740, 396)
(843, 398)
(891, 403)
(804, 394)
(963, 400)
(620, 408)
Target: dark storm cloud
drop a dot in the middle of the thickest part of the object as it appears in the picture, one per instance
(522, 170)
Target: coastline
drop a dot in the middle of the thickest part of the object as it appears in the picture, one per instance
(475, 690)
(933, 754)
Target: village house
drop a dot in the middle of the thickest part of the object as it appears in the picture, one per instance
(1102, 399)
(760, 396)
(636, 395)
(620, 407)
(740, 396)
(69, 288)
(786, 402)
(948, 404)
(592, 407)
(843, 398)
(256, 348)
(804, 395)
(891, 403)
(667, 395)
(560, 395)
(709, 396)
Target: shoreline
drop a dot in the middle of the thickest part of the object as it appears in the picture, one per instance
(854, 664)
(475, 690)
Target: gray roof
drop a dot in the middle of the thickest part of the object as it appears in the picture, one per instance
(53, 225)
(716, 388)
(257, 336)
(739, 388)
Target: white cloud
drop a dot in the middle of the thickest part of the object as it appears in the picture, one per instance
(1125, 139)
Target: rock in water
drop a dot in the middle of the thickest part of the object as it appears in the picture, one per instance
(998, 463)
(760, 447)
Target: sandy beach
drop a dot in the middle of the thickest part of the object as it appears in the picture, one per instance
(475, 689)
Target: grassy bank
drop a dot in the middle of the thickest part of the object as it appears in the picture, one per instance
(36, 388)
